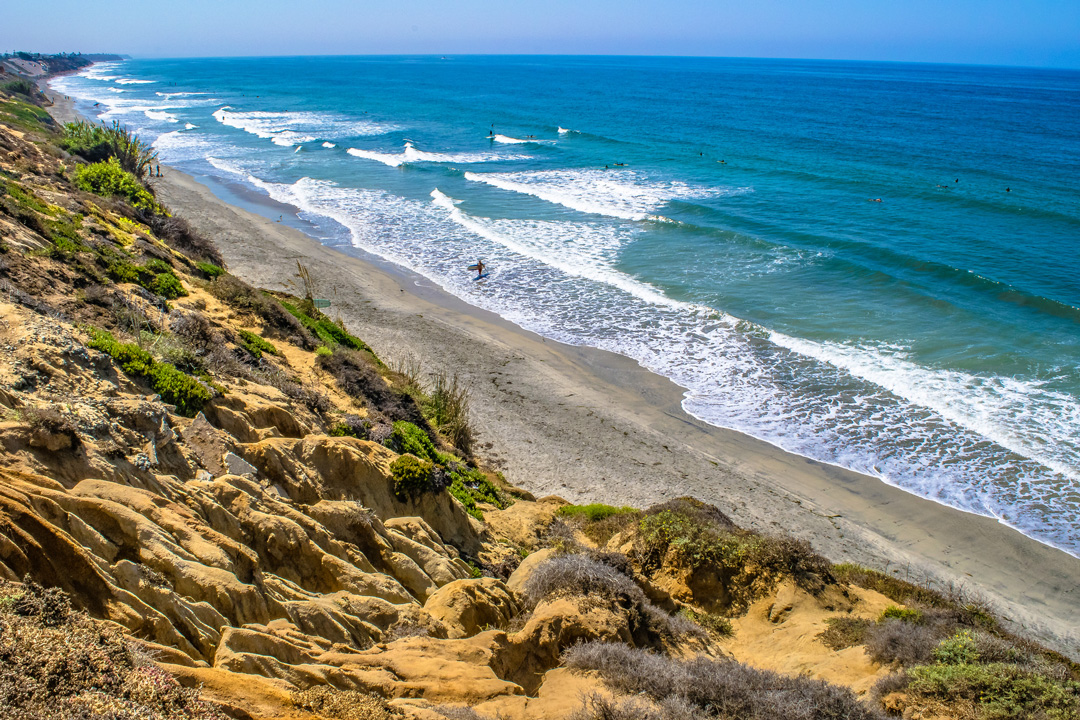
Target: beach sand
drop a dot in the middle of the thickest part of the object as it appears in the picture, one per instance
(593, 426)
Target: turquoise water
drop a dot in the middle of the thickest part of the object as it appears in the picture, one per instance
(714, 220)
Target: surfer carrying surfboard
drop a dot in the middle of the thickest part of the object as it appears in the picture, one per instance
(479, 268)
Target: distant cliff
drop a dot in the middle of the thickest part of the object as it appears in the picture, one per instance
(38, 65)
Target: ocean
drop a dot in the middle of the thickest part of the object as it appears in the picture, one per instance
(875, 265)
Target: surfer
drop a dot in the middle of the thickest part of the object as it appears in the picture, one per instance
(479, 266)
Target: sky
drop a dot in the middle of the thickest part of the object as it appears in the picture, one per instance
(991, 32)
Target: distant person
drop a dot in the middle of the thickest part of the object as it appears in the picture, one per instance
(480, 269)
(1008, 190)
(957, 179)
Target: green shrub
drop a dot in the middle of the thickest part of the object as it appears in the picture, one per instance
(997, 691)
(98, 143)
(176, 388)
(255, 344)
(179, 389)
(408, 438)
(324, 328)
(959, 649)
(695, 536)
(323, 351)
(462, 494)
(910, 615)
(412, 477)
(209, 270)
(156, 275)
(168, 286)
(108, 179)
(594, 512)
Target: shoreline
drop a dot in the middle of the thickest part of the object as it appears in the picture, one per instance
(591, 425)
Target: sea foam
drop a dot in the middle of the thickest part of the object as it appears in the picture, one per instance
(622, 194)
(412, 155)
(292, 128)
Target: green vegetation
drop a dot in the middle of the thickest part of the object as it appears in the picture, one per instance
(209, 269)
(256, 345)
(323, 351)
(959, 649)
(468, 485)
(693, 535)
(447, 406)
(19, 87)
(329, 332)
(26, 198)
(599, 522)
(154, 275)
(412, 477)
(894, 588)
(174, 386)
(910, 615)
(996, 691)
(24, 115)
(594, 512)
(109, 179)
(98, 143)
(408, 438)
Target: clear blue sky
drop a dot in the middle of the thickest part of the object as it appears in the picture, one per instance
(998, 32)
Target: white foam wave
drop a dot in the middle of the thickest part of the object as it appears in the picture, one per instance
(100, 71)
(117, 90)
(995, 407)
(572, 248)
(160, 115)
(564, 131)
(329, 145)
(133, 81)
(189, 126)
(507, 140)
(411, 155)
(616, 193)
(293, 128)
(169, 95)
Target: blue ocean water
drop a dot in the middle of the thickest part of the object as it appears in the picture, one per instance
(716, 220)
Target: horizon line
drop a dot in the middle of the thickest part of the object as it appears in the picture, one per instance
(573, 55)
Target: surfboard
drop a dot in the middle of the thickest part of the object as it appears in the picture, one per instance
(472, 267)
(481, 277)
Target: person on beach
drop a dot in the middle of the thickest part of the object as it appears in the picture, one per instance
(479, 269)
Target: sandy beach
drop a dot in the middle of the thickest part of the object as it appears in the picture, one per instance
(592, 426)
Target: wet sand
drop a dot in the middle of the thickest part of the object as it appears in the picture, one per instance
(592, 426)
